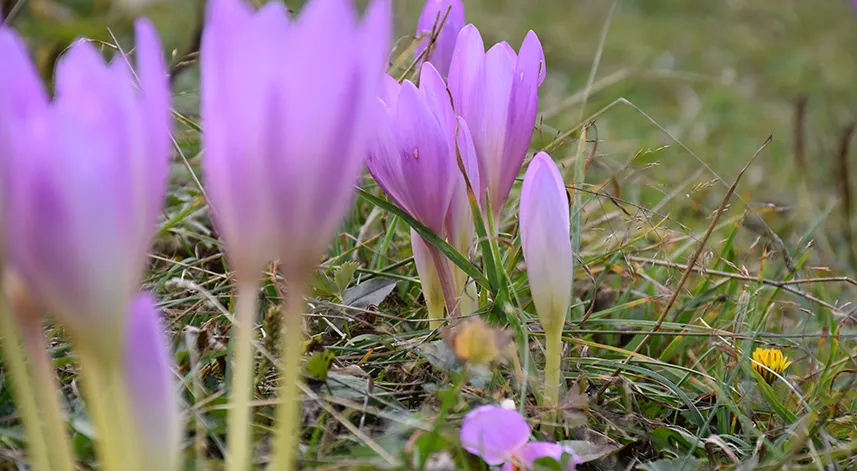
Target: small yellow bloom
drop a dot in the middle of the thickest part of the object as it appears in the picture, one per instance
(766, 360)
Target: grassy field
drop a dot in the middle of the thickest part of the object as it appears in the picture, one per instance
(679, 96)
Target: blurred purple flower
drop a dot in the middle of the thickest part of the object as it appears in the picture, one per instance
(286, 106)
(496, 92)
(501, 436)
(86, 180)
(21, 94)
(544, 222)
(433, 13)
(151, 387)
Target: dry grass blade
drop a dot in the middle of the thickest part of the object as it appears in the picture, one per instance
(693, 259)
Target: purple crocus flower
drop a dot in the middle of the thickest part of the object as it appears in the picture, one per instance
(433, 13)
(413, 158)
(86, 180)
(501, 436)
(151, 387)
(286, 106)
(544, 221)
(496, 92)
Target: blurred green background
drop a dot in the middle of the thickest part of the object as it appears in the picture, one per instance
(719, 76)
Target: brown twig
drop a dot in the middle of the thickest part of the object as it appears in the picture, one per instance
(800, 134)
(693, 259)
(843, 182)
(425, 54)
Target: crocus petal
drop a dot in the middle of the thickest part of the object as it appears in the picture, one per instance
(544, 221)
(459, 223)
(21, 90)
(150, 385)
(528, 454)
(491, 142)
(444, 47)
(426, 159)
(467, 77)
(21, 94)
(155, 103)
(493, 433)
(437, 97)
(522, 110)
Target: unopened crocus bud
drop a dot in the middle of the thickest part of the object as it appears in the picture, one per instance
(152, 388)
(435, 16)
(87, 177)
(496, 92)
(544, 221)
(284, 138)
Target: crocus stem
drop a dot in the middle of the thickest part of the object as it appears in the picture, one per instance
(435, 313)
(46, 392)
(108, 404)
(13, 359)
(467, 293)
(291, 349)
(240, 418)
(553, 355)
(447, 281)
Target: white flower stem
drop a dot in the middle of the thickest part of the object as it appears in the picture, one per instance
(553, 356)
(240, 416)
(13, 360)
(447, 280)
(107, 401)
(47, 397)
(291, 349)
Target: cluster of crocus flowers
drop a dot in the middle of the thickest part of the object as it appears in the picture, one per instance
(291, 108)
(501, 436)
(84, 177)
(770, 363)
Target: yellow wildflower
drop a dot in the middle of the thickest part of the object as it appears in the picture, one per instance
(767, 361)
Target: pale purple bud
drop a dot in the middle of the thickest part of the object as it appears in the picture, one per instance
(152, 388)
(544, 222)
